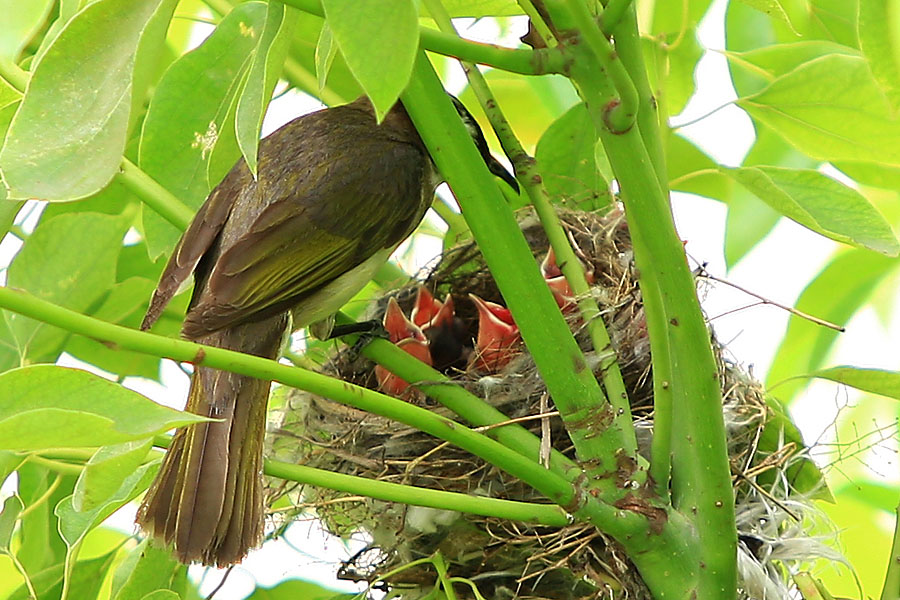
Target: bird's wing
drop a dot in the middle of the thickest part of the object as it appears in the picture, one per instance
(196, 241)
(296, 246)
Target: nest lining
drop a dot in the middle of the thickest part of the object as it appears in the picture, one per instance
(506, 559)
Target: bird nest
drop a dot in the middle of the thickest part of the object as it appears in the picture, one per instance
(510, 559)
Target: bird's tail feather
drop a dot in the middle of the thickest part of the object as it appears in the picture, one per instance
(207, 499)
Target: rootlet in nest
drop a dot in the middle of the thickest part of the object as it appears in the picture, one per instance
(456, 322)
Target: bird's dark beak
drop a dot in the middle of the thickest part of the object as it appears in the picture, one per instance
(494, 166)
(497, 168)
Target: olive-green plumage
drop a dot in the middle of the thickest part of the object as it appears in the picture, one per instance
(334, 196)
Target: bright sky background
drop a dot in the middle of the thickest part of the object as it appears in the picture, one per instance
(778, 269)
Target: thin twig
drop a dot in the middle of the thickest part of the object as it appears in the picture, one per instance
(775, 500)
(541, 415)
(702, 272)
(220, 584)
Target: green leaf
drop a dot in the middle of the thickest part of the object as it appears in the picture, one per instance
(379, 45)
(8, 95)
(187, 115)
(12, 508)
(60, 147)
(45, 406)
(40, 543)
(86, 579)
(881, 46)
(693, 171)
(821, 204)
(832, 109)
(67, 10)
(877, 494)
(301, 69)
(147, 567)
(803, 475)
(224, 151)
(874, 381)
(835, 294)
(675, 51)
(773, 8)
(8, 211)
(326, 50)
(21, 20)
(679, 81)
(482, 8)
(760, 66)
(106, 470)
(263, 75)
(748, 221)
(69, 260)
(565, 156)
(161, 595)
(872, 174)
(9, 462)
(74, 525)
(297, 588)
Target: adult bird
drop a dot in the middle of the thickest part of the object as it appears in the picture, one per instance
(335, 194)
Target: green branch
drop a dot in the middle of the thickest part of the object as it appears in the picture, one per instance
(550, 515)
(527, 62)
(565, 371)
(620, 112)
(589, 444)
(612, 15)
(891, 589)
(678, 333)
(155, 195)
(629, 523)
(553, 486)
(462, 402)
(631, 52)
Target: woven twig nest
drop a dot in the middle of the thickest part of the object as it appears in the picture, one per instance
(508, 559)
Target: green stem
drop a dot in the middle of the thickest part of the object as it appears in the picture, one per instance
(538, 23)
(299, 77)
(57, 466)
(702, 472)
(631, 51)
(463, 403)
(550, 515)
(629, 523)
(620, 436)
(612, 15)
(13, 74)
(619, 113)
(528, 62)
(440, 565)
(453, 219)
(891, 589)
(553, 486)
(560, 361)
(155, 195)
